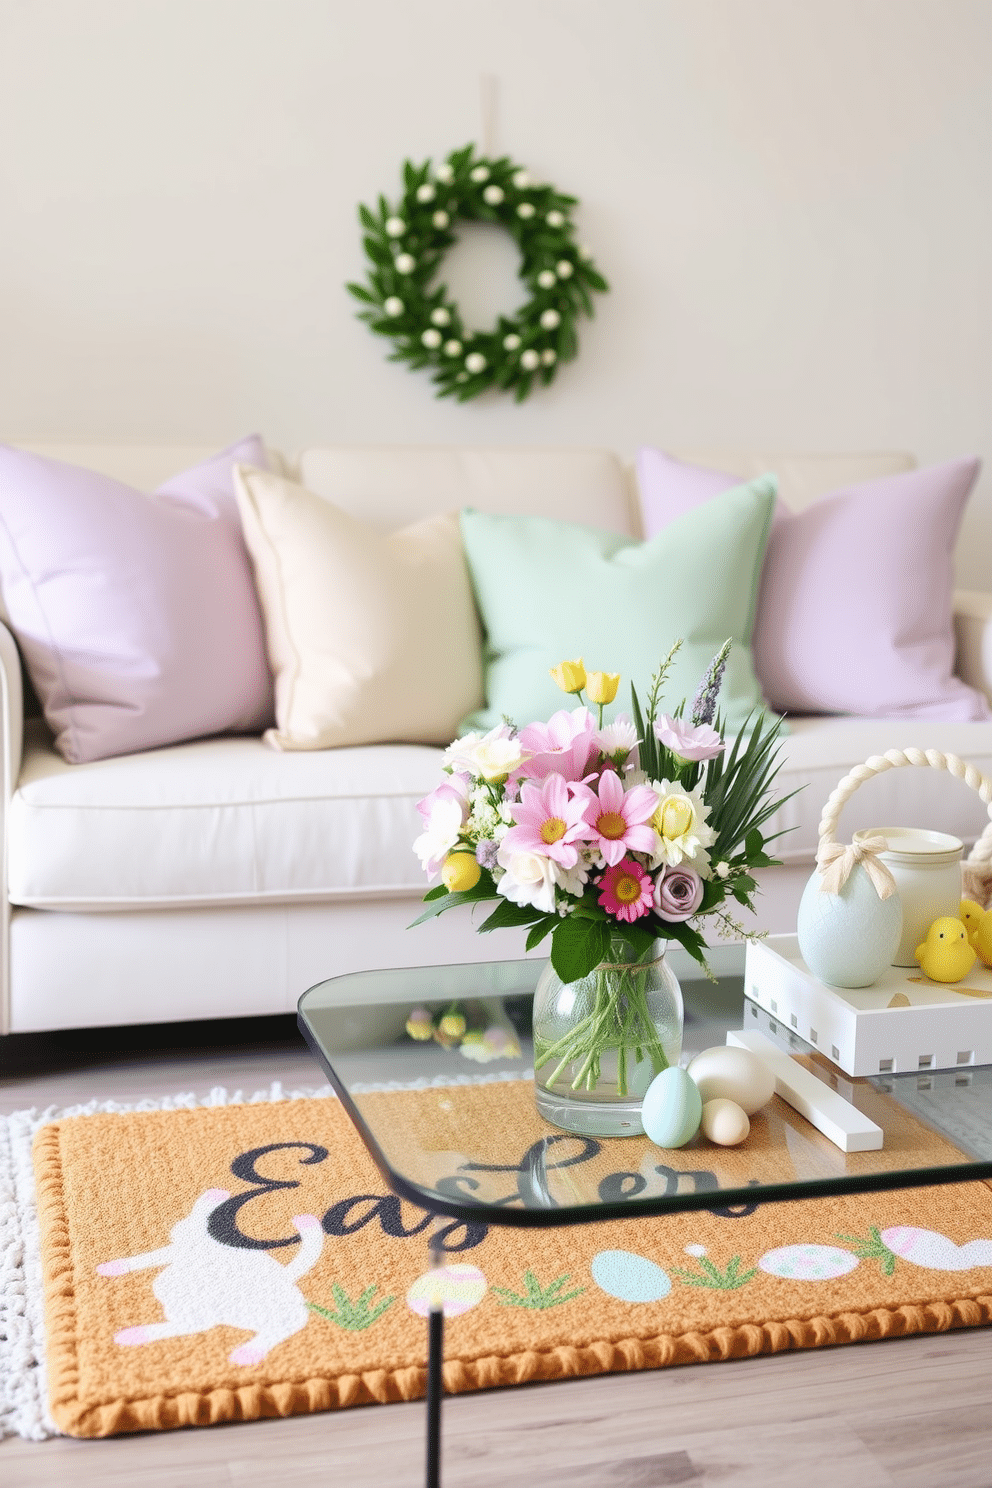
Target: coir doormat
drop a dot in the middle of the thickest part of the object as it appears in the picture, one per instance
(236, 1260)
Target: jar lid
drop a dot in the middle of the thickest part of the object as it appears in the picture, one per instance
(916, 845)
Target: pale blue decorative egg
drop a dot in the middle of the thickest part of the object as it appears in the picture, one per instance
(630, 1277)
(672, 1108)
(848, 939)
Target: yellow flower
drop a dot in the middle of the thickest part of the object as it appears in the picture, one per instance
(601, 687)
(460, 872)
(420, 1024)
(452, 1025)
(570, 675)
(674, 817)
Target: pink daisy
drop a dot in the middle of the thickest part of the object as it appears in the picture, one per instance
(617, 818)
(549, 819)
(626, 890)
(563, 746)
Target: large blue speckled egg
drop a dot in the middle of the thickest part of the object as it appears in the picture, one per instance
(672, 1108)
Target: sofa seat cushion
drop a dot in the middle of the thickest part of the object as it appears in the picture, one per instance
(217, 821)
(229, 821)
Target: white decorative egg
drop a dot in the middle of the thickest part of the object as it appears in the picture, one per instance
(932, 1249)
(723, 1122)
(728, 1073)
(848, 939)
(808, 1262)
(630, 1277)
(672, 1108)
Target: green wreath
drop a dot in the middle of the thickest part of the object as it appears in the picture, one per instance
(406, 244)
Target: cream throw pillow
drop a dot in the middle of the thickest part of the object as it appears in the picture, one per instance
(373, 636)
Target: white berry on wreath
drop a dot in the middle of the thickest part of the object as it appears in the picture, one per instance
(405, 242)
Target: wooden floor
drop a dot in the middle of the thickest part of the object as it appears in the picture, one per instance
(911, 1412)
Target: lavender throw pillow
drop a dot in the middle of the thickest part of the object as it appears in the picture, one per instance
(136, 615)
(855, 607)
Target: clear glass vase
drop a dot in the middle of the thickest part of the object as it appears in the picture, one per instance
(600, 1041)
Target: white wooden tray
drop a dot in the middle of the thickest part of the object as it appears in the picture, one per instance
(932, 1026)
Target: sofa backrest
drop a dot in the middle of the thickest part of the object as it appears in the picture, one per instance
(391, 486)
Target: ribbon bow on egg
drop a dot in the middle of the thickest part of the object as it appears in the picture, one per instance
(836, 862)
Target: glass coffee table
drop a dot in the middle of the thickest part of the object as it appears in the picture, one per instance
(478, 1157)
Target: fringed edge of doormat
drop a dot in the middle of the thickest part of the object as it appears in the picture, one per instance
(23, 1394)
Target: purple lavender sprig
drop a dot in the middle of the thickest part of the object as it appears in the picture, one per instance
(704, 703)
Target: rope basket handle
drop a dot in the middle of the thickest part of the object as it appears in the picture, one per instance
(980, 857)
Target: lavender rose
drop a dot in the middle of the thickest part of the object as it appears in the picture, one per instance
(677, 893)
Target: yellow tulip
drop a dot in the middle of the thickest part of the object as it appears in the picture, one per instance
(570, 675)
(601, 687)
(460, 872)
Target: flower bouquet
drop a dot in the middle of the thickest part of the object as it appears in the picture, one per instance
(608, 838)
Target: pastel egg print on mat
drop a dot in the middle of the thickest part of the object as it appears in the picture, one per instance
(808, 1262)
(629, 1277)
(929, 1248)
(458, 1288)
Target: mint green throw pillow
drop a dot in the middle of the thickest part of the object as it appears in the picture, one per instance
(554, 591)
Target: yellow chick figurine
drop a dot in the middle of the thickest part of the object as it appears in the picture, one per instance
(970, 914)
(946, 955)
(982, 938)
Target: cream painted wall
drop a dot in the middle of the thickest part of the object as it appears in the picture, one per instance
(792, 201)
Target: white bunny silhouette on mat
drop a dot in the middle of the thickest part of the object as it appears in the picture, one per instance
(206, 1283)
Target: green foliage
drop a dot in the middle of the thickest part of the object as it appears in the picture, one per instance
(544, 247)
(441, 902)
(536, 1297)
(708, 1275)
(354, 1316)
(578, 945)
(873, 1249)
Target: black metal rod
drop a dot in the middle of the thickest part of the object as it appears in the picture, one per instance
(435, 1390)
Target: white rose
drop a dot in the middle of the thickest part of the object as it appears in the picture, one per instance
(395, 227)
(495, 755)
(426, 193)
(393, 306)
(405, 263)
(529, 360)
(550, 319)
(529, 879)
(431, 338)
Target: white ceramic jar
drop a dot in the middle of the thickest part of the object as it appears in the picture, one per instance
(927, 869)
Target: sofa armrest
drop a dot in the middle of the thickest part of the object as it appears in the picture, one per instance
(12, 708)
(973, 638)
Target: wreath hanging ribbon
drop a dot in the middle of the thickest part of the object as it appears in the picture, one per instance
(837, 862)
(406, 243)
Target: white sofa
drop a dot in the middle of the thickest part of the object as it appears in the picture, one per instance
(219, 878)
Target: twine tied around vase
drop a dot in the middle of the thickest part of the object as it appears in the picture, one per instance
(836, 863)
